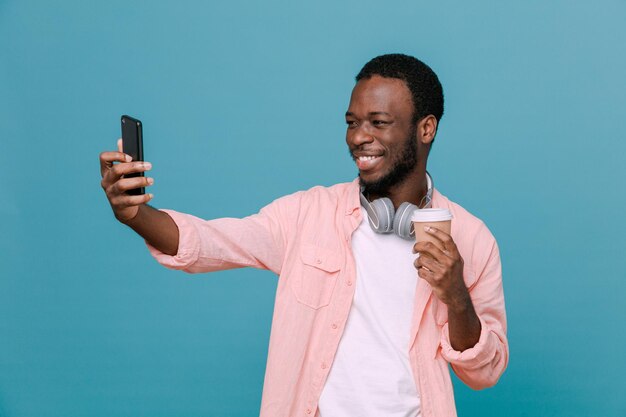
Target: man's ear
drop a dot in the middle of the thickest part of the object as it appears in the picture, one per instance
(426, 129)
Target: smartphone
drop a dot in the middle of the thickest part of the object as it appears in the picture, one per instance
(132, 144)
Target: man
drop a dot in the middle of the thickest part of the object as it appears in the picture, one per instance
(362, 325)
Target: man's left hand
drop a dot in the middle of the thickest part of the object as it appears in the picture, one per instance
(441, 265)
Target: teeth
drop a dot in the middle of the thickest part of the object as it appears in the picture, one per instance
(367, 158)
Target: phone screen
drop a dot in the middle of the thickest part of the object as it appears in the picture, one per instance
(132, 144)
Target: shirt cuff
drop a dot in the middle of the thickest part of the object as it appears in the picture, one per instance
(475, 357)
(188, 243)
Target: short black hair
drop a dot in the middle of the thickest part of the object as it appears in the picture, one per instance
(421, 80)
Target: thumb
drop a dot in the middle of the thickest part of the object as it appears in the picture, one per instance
(120, 147)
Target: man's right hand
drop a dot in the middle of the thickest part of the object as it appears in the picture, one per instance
(125, 207)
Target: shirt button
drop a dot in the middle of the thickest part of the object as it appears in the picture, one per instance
(308, 411)
(318, 261)
(324, 365)
(349, 282)
(334, 326)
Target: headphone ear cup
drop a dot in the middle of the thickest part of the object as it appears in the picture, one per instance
(385, 212)
(402, 225)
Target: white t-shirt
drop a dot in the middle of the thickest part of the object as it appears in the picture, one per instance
(371, 375)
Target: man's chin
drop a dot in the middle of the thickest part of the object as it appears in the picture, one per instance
(373, 185)
(381, 184)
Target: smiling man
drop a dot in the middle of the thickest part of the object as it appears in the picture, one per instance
(366, 321)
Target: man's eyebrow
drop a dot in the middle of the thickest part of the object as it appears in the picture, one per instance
(372, 113)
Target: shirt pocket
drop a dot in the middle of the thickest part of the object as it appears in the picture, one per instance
(314, 282)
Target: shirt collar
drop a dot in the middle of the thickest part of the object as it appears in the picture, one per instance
(353, 202)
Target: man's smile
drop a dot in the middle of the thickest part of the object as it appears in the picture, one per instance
(368, 162)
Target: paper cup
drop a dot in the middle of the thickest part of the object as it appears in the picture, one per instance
(433, 217)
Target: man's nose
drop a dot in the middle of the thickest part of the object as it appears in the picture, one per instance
(361, 136)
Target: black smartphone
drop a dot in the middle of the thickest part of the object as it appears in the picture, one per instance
(132, 144)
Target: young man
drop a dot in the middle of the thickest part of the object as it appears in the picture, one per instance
(362, 325)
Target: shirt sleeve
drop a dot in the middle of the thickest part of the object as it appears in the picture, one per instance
(257, 241)
(482, 365)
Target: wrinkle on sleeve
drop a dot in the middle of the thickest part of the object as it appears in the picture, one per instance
(188, 243)
(257, 241)
(482, 365)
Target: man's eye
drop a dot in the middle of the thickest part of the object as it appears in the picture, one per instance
(350, 123)
(380, 122)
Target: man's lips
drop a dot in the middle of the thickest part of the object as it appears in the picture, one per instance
(367, 162)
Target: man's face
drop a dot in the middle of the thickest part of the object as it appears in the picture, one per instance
(381, 137)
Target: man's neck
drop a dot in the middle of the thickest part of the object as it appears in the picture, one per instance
(413, 189)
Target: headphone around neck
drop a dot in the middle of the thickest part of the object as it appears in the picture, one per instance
(383, 218)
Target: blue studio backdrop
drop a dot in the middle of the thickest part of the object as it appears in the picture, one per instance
(243, 102)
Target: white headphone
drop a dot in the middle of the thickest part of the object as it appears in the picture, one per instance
(383, 218)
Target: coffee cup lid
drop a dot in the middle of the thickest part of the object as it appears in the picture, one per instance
(431, 215)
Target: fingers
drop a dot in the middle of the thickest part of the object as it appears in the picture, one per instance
(125, 184)
(430, 264)
(115, 172)
(115, 168)
(122, 201)
(114, 186)
(441, 241)
(440, 235)
(427, 275)
(425, 247)
(107, 159)
(110, 157)
(130, 168)
(422, 265)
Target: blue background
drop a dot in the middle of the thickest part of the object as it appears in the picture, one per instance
(243, 102)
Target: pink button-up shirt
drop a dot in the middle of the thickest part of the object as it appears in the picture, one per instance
(305, 238)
